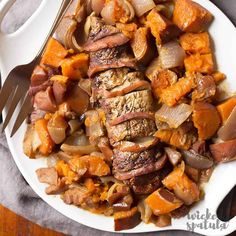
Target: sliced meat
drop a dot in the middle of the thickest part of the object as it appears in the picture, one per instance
(110, 58)
(131, 116)
(76, 196)
(140, 101)
(59, 91)
(47, 175)
(107, 42)
(128, 164)
(103, 36)
(130, 130)
(109, 79)
(44, 100)
(50, 176)
(38, 77)
(99, 29)
(145, 184)
(118, 82)
(41, 87)
(57, 189)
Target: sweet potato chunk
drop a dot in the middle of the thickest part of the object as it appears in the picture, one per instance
(127, 29)
(46, 141)
(95, 165)
(182, 137)
(226, 108)
(189, 16)
(161, 28)
(218, 77)
(171, 95)
(127, 219)
(54, 53)
(196, 43)
(75, 67)
(162, 201)
(206, 119)
(162, 80)
(224, 152)
(200, 63)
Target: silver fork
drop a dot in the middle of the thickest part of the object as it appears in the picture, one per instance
(16, 85)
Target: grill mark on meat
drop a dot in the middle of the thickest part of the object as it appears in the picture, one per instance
(130, 130)
(132, 115)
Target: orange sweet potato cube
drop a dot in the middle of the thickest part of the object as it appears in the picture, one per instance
(196, 43)
(161, 28)
(199, 63)
(54, 53)
(189, 16)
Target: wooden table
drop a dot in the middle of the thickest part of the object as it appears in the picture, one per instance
(14, 225)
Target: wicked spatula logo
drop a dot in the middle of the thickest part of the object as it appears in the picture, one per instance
(204, 220)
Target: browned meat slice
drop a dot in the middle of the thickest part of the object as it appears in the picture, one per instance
(100, 30)
(115, 78)
(126, 219)
(108, 58)
(127, 165)
(118, 82)
(44, 100)
(103, 36)
(110, 79)
(148, 183)
(130, 130)
(107, 42)
(145, 184)
(76, 196)
(139, 101)
(50, 176)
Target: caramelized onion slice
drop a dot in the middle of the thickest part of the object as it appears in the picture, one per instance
(173, 116)
(142, 6)
(57, 128)
(196, 160)
(171, 55)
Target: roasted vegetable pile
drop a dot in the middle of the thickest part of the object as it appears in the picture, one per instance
(127, 109)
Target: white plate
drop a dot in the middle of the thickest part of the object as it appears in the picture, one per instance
(21, 46)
